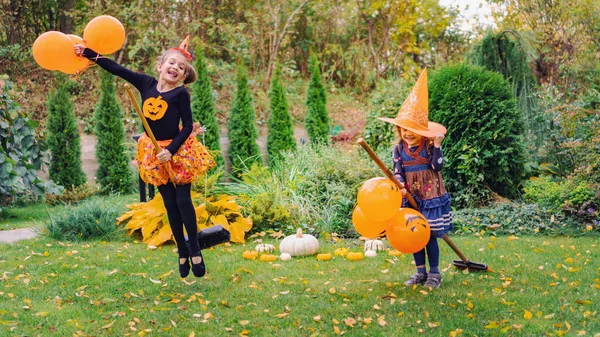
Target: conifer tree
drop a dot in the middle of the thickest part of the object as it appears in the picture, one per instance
(63, 139)
(113, 172)
(281, 130)
(203, 109)
(243, 150)
(317, 119)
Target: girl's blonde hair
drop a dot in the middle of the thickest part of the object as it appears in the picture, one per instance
(190, 72)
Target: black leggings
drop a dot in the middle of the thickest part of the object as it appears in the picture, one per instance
(180, 210)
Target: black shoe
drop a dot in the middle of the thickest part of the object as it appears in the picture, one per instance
(199, 269)
(184, 269)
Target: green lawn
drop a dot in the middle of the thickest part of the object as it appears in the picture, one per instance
(542, 286)
(36, 214)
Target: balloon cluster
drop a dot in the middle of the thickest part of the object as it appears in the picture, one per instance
(54, 50)
(379, 212)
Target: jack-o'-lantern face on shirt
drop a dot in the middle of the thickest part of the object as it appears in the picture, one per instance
(155, 108)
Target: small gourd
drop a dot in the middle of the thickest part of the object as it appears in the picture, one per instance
(285, 257)
(250, 255)
(355, 256)
(268, 257)
(374, 245)
(371, 253)
(299, 244)
(324, 257)
(341, 252)
(394, 252)
(265, 248)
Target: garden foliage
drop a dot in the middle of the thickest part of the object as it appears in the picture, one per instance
(114, 174)
(483, 148)
(314, 187)
(203, 109)
(243, 150)
(150, 218)
(21, 154)
(89, 220)
(281, 131)
(317, 119)
(63, 139)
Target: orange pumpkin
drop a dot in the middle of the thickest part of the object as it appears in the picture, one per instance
(268, 257)
(155, 108)
(250, 255)
(341, 252)
(324, 257)
(355, 256)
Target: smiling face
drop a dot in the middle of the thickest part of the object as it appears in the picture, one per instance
(411, 138)
(172, 68)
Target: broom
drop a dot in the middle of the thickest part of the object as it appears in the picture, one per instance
(463, 263)
(208, 237)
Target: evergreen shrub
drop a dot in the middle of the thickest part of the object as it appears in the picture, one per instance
(114, 173)
(317, 119)
(483, 147)
(243, 150)
(63, 139)
(203, 109)
(281, 130)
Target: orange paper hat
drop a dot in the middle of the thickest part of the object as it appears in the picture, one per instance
(183, 48)
(414, 112)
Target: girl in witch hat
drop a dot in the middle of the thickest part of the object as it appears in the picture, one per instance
(166, 104)
(417, 162)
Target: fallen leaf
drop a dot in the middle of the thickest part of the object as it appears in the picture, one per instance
(106, 326)
(527, 315)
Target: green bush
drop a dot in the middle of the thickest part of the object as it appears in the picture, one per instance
(483, 148)
(63, 138)
(114, 174)
(578, 199)
(90, 220)
(517, 219)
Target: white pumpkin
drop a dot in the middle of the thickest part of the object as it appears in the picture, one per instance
(370, 253)
(299, 244)
(265, 248)
(374, 245)
(285, 257)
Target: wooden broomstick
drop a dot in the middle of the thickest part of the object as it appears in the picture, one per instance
(157, 148)
(463, 263)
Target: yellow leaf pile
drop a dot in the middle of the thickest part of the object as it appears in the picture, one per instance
(151, 218)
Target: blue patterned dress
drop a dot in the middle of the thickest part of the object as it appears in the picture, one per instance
(418, 167)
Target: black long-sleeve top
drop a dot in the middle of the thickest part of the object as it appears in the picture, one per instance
(162, 110)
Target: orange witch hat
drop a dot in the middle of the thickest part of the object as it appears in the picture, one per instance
(414, 112)
(183, 48)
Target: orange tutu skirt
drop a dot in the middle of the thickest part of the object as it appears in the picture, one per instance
(191, 161)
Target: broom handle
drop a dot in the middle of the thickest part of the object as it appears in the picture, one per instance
(146, 126)
(409, 197)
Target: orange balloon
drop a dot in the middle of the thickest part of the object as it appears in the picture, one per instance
(379, 199)
(73, 63)
(50, 49)
(104, 34)
(366, 227)
(408, 231)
